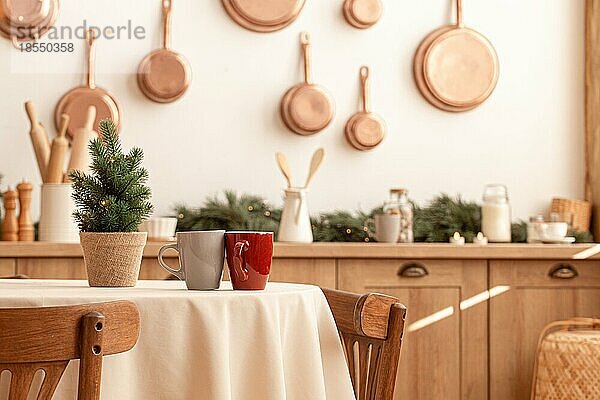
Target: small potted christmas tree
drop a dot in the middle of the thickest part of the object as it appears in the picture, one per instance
(111, 202)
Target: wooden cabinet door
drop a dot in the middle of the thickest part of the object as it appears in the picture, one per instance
(444, 352)
(7, 267)
(531, 296)
(52, 268)
(313, 271)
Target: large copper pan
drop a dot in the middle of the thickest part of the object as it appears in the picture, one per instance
(77, 101)
(456, 68)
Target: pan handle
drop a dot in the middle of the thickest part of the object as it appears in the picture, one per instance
(364, 79)
(166, 15)
(459, 14)
(305, 41)
(90, 39)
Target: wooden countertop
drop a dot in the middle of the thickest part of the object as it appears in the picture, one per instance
(350, 250)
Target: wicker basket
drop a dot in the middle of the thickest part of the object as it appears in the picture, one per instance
(575, 212)
(567, 366)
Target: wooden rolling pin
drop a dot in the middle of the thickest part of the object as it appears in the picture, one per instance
(80, 154)
(60, 144)
(26, 231)
(10, 226)
(39, 139)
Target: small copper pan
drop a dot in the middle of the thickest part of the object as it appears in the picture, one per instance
(77, 101)
(362, 14)
(263, 15)
(164, 75)
(365, 130)
(460, 66)
(26, 20)
(307, 108)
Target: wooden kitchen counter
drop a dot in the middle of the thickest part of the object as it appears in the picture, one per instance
(509, 251)
(474, 312)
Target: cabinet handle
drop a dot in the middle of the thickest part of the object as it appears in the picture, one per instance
(563, 271)
(413, 270)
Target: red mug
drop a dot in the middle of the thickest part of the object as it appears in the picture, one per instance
(249, 257)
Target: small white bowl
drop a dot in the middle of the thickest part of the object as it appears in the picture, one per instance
(159, 228)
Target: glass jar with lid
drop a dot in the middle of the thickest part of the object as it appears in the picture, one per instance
(496, 214)
(398, 203)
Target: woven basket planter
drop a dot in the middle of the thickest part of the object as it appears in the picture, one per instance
(113, 259)
(568, 361)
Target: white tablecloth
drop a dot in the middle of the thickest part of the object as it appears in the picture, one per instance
(277, 344)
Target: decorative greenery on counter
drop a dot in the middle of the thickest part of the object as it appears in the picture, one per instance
(443, 216)
(435, 222)
(114, 197)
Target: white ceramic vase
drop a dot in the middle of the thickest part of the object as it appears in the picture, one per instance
(295, 226)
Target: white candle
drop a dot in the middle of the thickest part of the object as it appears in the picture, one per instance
(480, 239)
(457, 239)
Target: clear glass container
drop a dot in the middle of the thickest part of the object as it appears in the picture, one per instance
(496, 214)
(398, 203)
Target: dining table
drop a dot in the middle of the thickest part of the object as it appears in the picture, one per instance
(279, 343)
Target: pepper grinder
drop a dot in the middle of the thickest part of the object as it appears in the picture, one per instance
(10, 227)
(26, 231)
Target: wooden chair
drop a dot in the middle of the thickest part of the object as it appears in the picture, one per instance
(47, 338)
(371, 328)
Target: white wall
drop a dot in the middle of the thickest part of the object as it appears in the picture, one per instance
(225, 131)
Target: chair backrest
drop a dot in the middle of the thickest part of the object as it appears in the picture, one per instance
(371, 327)
(47, 338)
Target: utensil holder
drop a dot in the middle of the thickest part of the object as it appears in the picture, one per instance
(56, 215)
(295, 226)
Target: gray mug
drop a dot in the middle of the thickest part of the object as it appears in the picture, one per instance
(201, 258)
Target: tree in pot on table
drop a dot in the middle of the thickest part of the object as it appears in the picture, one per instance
(111, 203)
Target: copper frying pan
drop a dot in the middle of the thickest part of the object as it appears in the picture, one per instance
(460, 66)
(420, 79)
(164, 75)
(24, 20)
(307, 108)
(365, 129)
(362, 14)
(263, 15)
(77, 101)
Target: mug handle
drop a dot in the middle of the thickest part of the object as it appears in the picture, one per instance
(179, 273)
(239, 262)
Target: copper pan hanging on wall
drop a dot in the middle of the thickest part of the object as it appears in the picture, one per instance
(362, 14)
(365, 130)
(307, 108)
(77, 101)
(164, 75)
(456, 68)
(26, 20)
(263, 15)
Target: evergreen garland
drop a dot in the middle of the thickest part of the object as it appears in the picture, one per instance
(443, 216)
(435, 222)
(244, 212)
(114, 197)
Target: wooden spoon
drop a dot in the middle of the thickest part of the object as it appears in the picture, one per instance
(60, 144)
(315, 163)
(284, 167)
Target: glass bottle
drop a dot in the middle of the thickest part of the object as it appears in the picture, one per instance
(496, 214)
(399, 204)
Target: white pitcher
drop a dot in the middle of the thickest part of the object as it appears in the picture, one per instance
(295, 226)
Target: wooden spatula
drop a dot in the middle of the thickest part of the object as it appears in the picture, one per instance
(315, 163)
(284, 167)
